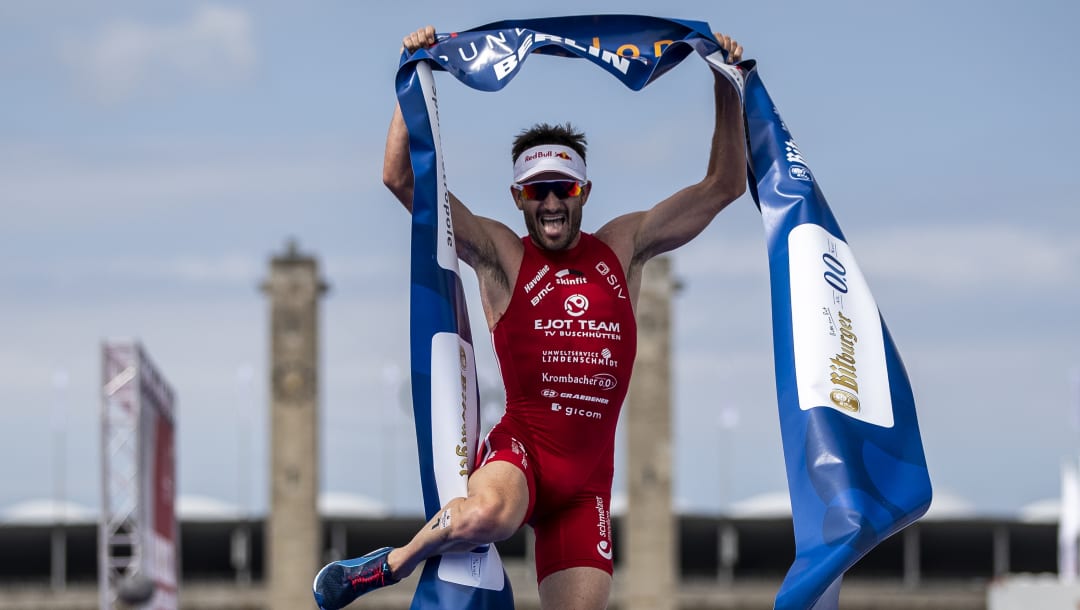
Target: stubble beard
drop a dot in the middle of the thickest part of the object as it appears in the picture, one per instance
(564, 241)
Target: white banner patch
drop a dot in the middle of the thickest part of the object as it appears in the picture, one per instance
(479, 568)
(836, 329)
(446, 248)
(454, 420)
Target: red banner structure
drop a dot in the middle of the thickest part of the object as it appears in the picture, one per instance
(137, 534)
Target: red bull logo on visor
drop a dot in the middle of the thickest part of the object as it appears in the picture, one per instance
(547, 153)
(549, 158)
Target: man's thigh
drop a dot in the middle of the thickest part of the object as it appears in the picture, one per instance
(504, 474)
(579, 588)
(503, 487)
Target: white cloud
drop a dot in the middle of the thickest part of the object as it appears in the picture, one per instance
(969, 258)
(224, 268)
(219, 269)
(957, 259)
(214, 45)
(719, 258)
(39, 188)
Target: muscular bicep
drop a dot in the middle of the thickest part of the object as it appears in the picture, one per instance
(494, 252)
(676, 220)
(638, 236)
(685, 214)
(480, 241)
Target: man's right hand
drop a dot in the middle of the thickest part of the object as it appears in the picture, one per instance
(420, 39)
(732, 46)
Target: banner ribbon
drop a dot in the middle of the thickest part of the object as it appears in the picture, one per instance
(855, 463)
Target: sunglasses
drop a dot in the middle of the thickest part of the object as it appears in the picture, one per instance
(539, 190)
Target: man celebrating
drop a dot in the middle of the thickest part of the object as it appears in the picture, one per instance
(560, 307)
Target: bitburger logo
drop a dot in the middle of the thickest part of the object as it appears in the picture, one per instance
(842, 367)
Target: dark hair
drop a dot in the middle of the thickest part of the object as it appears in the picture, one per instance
(543, 133)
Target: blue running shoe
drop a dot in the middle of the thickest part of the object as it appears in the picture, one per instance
(341, 582)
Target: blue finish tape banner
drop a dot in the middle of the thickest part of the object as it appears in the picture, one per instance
(636, 50)
(444, 388)
(855, 464)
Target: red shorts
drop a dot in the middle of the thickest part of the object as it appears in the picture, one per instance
(572, 522)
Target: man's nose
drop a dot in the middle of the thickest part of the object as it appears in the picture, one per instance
(552, 199)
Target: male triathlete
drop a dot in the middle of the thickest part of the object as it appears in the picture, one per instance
(559, 304)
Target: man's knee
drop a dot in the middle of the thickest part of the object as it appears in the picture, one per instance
(483, 519)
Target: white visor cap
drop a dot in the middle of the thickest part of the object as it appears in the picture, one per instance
(549, 158)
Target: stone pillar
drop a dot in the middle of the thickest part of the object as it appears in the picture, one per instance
(1002, 552)
(293, 532)
(650, 547)
(912, 557)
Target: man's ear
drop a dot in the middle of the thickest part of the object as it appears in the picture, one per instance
(585, 190)
(514, 196)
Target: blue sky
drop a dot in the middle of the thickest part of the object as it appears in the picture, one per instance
(152, 158)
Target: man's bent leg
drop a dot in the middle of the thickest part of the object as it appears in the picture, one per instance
(580, 588)
(494, 509)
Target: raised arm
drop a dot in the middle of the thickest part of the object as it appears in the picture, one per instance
(488, 246)
(475, 236)
(397, 172)
(682, 216)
